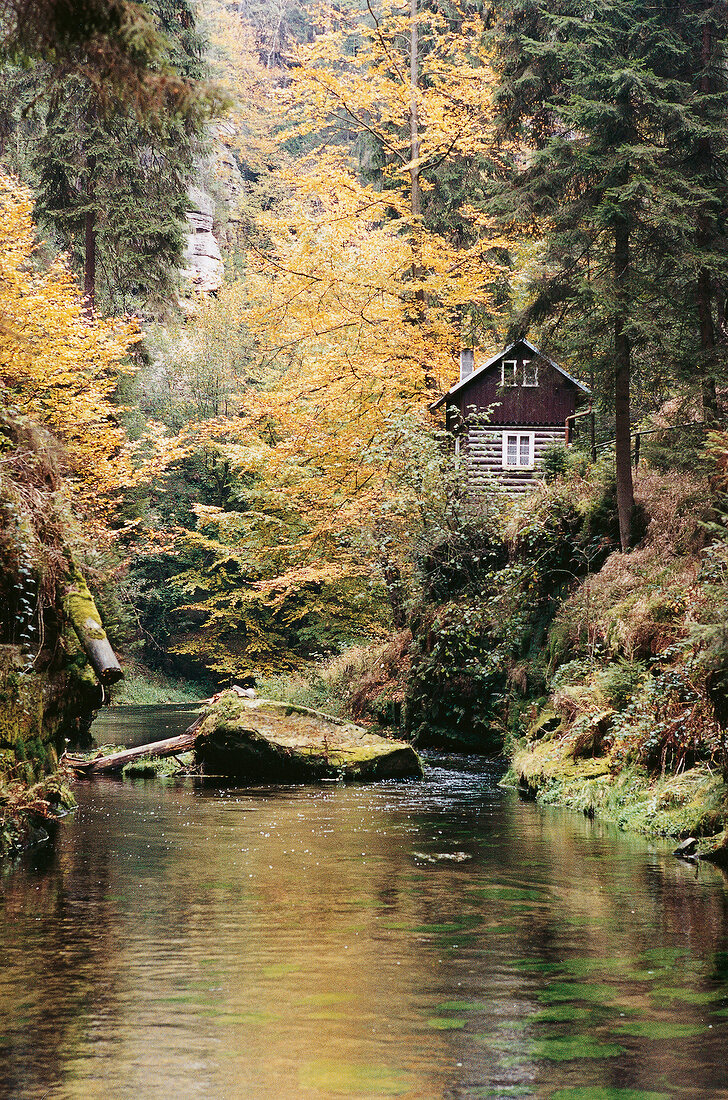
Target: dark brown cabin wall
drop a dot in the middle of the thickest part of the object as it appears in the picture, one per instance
(548, 403)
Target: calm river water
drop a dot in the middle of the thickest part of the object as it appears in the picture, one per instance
(434, 939)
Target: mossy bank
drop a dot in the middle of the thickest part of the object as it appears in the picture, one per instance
(602, 675)
(48, 691)
(692, 803)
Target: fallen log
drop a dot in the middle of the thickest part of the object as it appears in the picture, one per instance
(84, 616)
(115, 762)
(261, 740)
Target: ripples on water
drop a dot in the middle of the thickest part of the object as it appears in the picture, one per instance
(418, 939)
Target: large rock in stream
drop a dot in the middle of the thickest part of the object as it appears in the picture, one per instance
(261, 739)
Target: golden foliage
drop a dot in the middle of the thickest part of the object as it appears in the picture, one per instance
(334, 312)
(369, 90)
(59, 366)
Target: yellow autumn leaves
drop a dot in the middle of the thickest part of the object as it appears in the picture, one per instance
(353, 308)
(58, 366)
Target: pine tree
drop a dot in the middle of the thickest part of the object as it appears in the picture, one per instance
(116, 45)
(114, 191)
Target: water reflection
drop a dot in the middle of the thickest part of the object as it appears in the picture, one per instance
(422, 940)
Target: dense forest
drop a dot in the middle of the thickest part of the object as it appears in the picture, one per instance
(247, 475)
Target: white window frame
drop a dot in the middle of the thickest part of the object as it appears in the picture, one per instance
(512, 379)
(534, 372)
(530, 436)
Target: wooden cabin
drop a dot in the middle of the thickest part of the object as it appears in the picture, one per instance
(505, 413)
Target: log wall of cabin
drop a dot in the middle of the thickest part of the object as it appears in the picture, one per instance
(484, 451)
(550, 402)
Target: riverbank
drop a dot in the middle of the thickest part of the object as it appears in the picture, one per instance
(693, 803)
(632, 727)
(601, 675)
(144, 686)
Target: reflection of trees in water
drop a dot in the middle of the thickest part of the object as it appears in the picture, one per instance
(58, 936)
(280, 923)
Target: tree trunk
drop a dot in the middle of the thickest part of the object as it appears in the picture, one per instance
(704, 285)
(415, 188)
(81, 610)
(707, 345)
(89, 267)
(113, 764)
(395, 590)
(416, 192)
(622, 366)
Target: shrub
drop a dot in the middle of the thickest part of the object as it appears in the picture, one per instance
(620, 680)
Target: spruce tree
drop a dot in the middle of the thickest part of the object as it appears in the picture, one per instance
(697, 145)
(596, 92)
(111, 179)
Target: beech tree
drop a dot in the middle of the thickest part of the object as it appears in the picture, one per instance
(406, 90)
(56, 367)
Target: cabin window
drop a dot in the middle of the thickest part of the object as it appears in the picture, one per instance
(518, 449)
(530, 373)
(509, 375)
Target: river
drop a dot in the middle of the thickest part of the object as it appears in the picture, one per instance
(432, 939)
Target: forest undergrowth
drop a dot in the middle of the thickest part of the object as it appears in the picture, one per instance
(599, 674)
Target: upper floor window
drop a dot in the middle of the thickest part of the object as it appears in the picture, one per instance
(516, 372)
(530, 373)
(509, 372)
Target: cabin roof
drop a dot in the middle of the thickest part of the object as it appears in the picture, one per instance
(462, 385)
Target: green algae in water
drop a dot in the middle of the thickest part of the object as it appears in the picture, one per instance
(667, 956)
(445, 1023)
(341, 1078)
(507, 893)
(482, 1092)
(325, 1000)
(237, 1019)
(576, 991)
(659, 1029)
(281, 970)
(576, 967)
(588, 1092)
(580, 967)
(442, 929)
(537, 966)
(688, 996)
(572, 1048)
(560, 1014)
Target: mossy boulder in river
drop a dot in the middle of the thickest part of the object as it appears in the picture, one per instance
(262, 739)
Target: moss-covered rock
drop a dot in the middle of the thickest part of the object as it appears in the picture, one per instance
(257, 739)
(29, 814)
(692, 803)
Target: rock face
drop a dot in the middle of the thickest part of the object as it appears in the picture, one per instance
(203, 260)
(257, 739)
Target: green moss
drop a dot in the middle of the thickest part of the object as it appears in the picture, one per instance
(263, 739)
(546, 726)
(29, 811)
(150, 768)
(81, 609)
(21, 708)
(693, 802)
